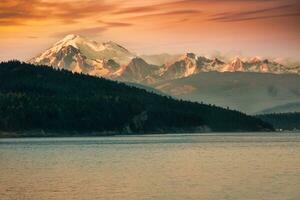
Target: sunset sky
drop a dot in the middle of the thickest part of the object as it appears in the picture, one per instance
(249, 27)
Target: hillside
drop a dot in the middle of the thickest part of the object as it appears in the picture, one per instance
(286, 108)
(246, 92)
(42, 98)
(283, 121)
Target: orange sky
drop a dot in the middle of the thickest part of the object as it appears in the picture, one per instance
(252, 27)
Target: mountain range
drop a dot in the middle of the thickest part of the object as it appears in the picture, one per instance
(252, 85)
(111, 60)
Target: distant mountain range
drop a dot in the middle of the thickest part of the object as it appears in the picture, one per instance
(248, 92)
(285, 108)
(111, 60)
(250, 85)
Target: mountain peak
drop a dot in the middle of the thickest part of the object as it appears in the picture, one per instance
(236, 60)
(70, 37)
(217, 61)
(188, 56)
(256, 59)
(235, 65)
(138, 60)
(70, 40)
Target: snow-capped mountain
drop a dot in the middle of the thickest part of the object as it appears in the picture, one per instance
(257, 64)
(186, 65)
(236, 65)
(293, 69)
(79, 54)
(190, 64)
(239, 65)
(110, 60)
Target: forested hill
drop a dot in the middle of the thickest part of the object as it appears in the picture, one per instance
(53, 100)
(284, 121)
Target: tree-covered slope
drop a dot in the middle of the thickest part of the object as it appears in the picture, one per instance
(43, 98)
(284, 121)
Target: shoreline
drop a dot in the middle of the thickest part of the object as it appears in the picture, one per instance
(72, 134)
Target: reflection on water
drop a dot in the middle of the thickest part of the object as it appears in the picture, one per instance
(230, 166)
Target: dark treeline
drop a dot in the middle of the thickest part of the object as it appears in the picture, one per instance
(43, 98)
(285, 121)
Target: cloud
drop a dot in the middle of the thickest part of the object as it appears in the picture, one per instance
(260, 17)
(166, 8)
(10, 22)
(135, 10)
(264, 13)
(177, 16)
(95, 30)
(64, 11)
(172, 13)
(114, 24)
(22, 12)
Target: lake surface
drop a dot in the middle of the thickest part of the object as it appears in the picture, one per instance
(202, 166)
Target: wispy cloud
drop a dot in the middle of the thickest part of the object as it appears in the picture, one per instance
(15, 11)
(93, 31)
(264, 13)
(260, 17)
(110, 24)
(137, 9)
(167, 15)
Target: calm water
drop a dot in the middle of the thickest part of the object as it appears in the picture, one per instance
(231, 166)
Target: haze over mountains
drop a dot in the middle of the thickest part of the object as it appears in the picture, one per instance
(250, 85)
(248, 92)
